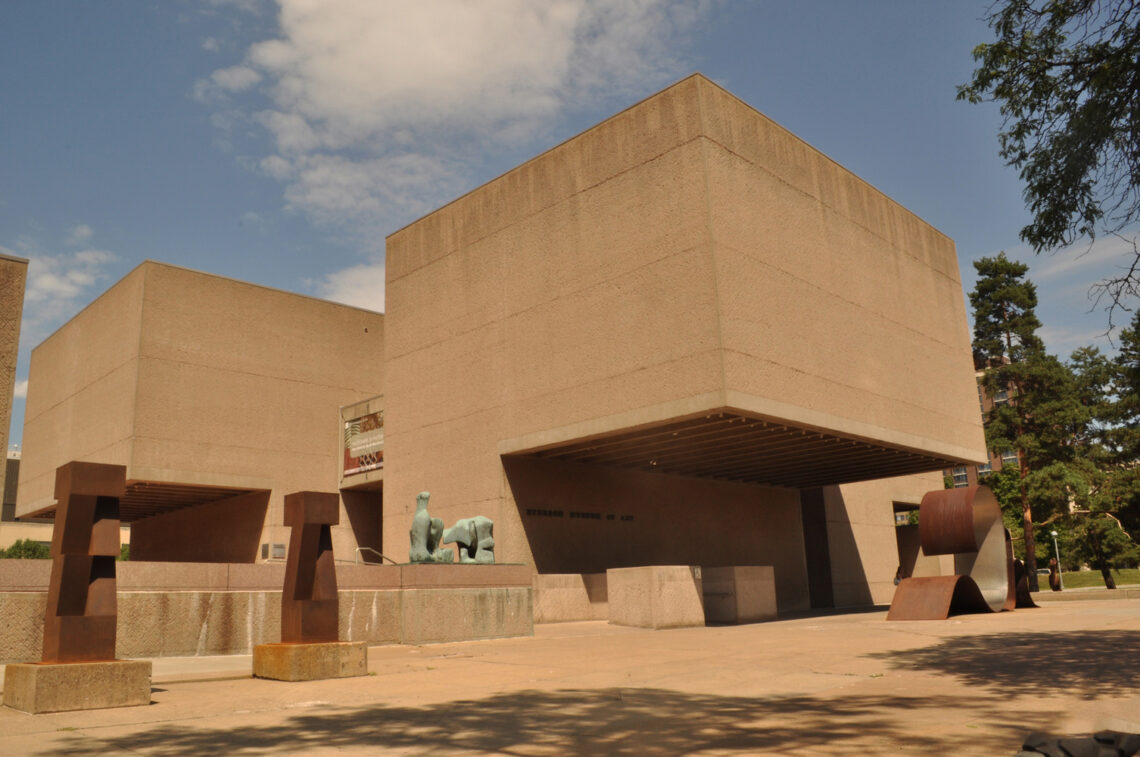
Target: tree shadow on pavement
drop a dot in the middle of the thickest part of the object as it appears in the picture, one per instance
(1087, 664)
(595, 722)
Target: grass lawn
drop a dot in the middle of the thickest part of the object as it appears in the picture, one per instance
(1085, 578)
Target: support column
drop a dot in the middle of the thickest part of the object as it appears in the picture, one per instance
(817, 550)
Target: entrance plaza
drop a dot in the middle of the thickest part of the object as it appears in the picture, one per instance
(682, 356)
(825, 684)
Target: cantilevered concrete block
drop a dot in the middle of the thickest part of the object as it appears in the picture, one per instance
(656, 596)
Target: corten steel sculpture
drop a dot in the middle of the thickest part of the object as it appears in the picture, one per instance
(966, 523)
(309, 596)
(79, 625)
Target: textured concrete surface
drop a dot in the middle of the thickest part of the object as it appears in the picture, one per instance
(190, 378)
(657, 596)
(186, 623)
(740, 594)
(565, 597)
(43, 687)
(310, 662)
(13, 274)
(835, 685)
(646, 270)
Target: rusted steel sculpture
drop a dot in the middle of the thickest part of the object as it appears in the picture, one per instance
(967, 524)
(309, 597)
(79, 625)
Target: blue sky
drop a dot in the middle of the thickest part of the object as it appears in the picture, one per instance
(279, 142)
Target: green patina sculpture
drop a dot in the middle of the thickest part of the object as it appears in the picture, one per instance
(475, 540)
(426, 535)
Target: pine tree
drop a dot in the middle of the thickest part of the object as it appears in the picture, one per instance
(1043, 421)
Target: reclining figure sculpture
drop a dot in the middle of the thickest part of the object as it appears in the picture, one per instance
(475, 540)
(426, 534)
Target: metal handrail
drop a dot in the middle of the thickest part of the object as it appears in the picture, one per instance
(381, 555)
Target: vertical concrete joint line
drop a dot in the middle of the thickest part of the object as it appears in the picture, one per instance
(703, 141)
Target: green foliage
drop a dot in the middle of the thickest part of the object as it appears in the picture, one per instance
(1065, 74)
(26, 549)
(1102, 544)
(1005, 322)
(1006, 486)
(124, 552)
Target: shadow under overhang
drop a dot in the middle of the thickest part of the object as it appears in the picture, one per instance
(730, 446)
(144, 499)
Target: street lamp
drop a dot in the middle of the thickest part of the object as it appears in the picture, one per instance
(1057, 551)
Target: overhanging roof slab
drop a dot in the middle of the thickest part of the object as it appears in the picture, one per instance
(730, 446)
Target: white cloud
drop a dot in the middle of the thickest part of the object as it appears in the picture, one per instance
(235, 78)
(1101, 252)
(361, 286)
(210, 44)
(21, 390)
(79, 235)
(380, 108)
(58, 285)
(380, 112)
(247, 6)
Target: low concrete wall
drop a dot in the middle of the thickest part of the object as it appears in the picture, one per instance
(656, 596)
(565, 597)
(197, 609)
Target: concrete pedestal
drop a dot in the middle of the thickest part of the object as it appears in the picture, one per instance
(739, 594)
(310, 662)
(59, 687)
(655, 596)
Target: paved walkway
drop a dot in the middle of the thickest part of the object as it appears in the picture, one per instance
(836, 684)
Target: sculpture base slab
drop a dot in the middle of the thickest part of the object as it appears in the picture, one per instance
(656, 596)
(60, 687)
(310, 662)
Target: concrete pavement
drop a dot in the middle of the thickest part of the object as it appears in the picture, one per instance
(834, 684)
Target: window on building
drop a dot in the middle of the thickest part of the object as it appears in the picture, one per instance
(1001, 398)
(1009, 458)
(961, 477)
(985, 468)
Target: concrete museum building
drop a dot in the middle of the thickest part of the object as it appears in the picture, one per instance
(683, 337)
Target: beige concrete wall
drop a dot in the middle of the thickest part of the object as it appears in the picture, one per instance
(839, 308)
(180, 609)
(13, 275)
(191, 378)
(683, 256)
(81, 390)
(861, 535)
(545, 298)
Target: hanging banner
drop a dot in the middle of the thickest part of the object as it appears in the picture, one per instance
(364, 443)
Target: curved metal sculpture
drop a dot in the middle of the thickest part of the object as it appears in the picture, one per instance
(967, 524)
